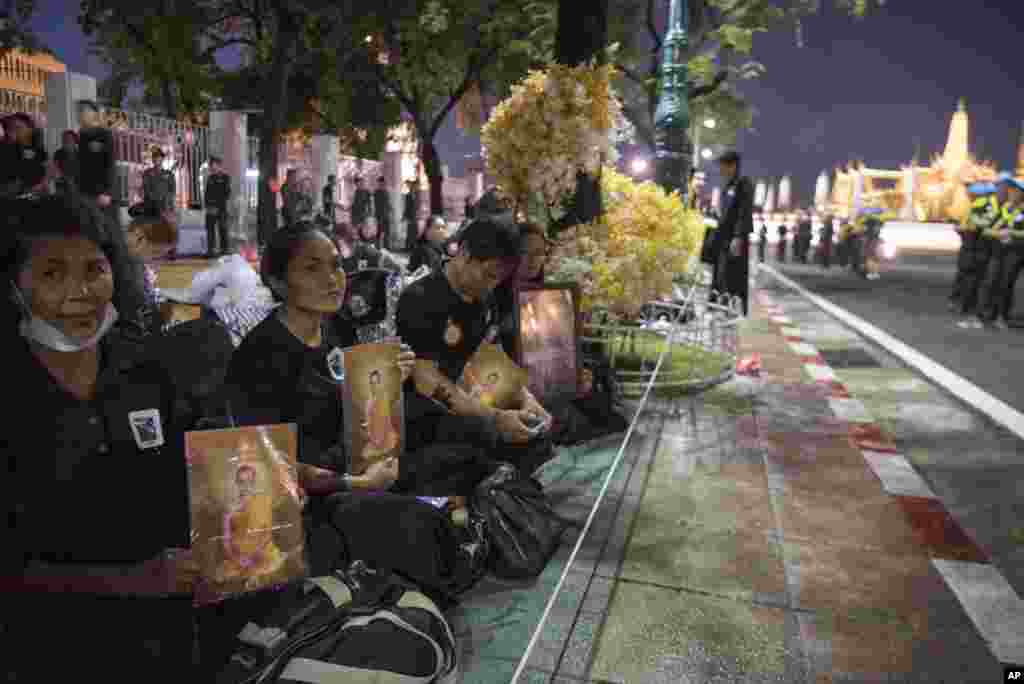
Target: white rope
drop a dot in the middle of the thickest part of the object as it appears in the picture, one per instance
(604, 488)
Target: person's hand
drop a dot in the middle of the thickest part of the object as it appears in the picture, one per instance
(586, 382)
(103, 200)
(382, 475)
(532, 406)
(406, 361)
(511, 427)
(174, 571)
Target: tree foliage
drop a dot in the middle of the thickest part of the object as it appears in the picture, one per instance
(15, 33)
(429, 54)
(720, 51)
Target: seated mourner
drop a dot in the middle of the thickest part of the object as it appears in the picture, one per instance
(592, 413)
(359, 255)
(445, 317)
(94, 489)
(430, 250)
(285, 371)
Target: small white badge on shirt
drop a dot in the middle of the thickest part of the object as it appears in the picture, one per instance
(146, 428)
(336, 364)
(363, 265)
(96, 146)
(30, 154)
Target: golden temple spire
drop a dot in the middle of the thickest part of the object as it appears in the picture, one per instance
(1020, 154)
(956, 153)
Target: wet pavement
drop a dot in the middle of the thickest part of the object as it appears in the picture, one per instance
(844, 522)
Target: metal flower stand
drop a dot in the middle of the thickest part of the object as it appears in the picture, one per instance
(697, 336)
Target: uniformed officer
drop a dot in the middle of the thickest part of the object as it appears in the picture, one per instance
(158, 187)
(217, 194)
(983, 212)
(96, 165)
(827, 231)
(1007, 255)
(780, 249)
(975, 292)
(762, 244)
(95, 484)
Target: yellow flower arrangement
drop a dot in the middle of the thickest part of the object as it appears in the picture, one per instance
(631, 255)
(555, 123)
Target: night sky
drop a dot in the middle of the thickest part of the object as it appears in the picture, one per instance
(870, 89)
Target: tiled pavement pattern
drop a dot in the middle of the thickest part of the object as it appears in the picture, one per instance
(778, 534)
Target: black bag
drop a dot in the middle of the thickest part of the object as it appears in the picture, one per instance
(523, 530)
(432, 553)
(359, 625)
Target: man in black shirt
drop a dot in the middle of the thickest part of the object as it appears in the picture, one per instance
(218, 192)
(445, 317)
(327, 197)
(97, 167)
(66, 160)
(410, 213)
(360, 208)
(382, 211)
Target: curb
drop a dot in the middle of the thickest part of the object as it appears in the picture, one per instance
(984, 594)
(961, 388)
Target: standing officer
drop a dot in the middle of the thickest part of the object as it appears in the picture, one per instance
(983, 212)
(361, 209)
(97, 169)
(975, 293)
(158, 187)
(827, 231)
(410, 212)
(732, 238)
(780, 249)
(1007, 255)
(762, 245)
(382, 211)
(218, 192)
(327, 196)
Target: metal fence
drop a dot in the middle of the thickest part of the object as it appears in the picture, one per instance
(136, 134)
(13, 102)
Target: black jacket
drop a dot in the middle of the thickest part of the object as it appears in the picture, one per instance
(426, 253)
(218, 190)
(96, 162)
(738, 212)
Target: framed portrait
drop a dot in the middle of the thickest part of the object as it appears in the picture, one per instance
(246, 509)
(493, 378)
(547, 343)
(374, 425)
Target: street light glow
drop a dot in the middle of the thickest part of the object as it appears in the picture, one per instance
(639, 165)
(709, 123)
(706, 153)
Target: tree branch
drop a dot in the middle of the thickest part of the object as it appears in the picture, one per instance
(708, 88)
(652, 28)
(630, 73)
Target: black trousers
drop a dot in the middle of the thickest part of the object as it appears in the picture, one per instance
(975, 275)
(826, 254)
(780, 251)
(384, 231)
(761, 248)
(964, 262)
(732, 273)
(217, 227)
(991, 296)
(1004, 269)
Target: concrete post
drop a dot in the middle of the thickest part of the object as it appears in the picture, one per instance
(391, 169)
(63, 92)
(229, 140)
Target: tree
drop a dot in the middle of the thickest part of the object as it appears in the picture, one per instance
(581, 37)
(15, 33)
(171, 51)
(721, 34)
(428, 55)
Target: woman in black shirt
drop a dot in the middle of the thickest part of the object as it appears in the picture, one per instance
(95, 486)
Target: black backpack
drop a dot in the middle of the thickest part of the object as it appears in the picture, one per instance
(357, 625)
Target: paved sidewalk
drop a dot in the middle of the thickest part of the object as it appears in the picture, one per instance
(777, 535)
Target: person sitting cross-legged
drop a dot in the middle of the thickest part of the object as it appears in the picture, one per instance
(445, 317)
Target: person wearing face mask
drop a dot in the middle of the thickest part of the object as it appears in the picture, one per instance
(95, 486)
(97, 167)
(357, 255)
(445, 317)
(430, 250)
(65, 161)
(22, 157)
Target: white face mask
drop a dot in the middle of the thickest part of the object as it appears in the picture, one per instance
(37, 330)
